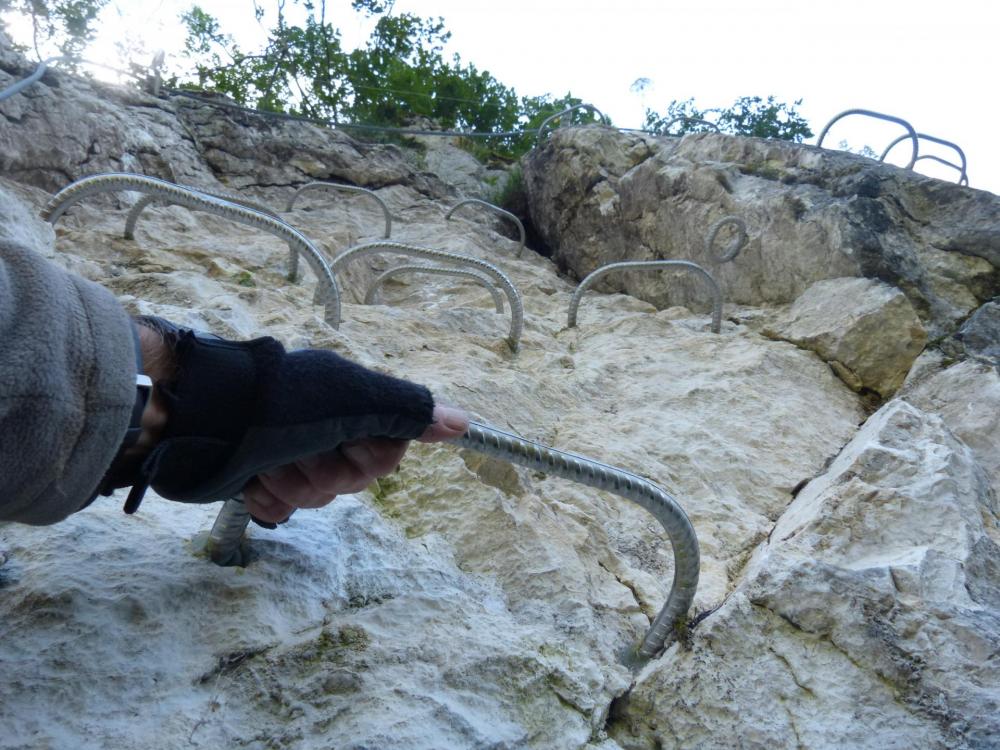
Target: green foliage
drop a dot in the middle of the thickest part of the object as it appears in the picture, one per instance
(749, 115)
(66, 25)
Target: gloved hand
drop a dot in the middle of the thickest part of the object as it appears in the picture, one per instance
(287, 429)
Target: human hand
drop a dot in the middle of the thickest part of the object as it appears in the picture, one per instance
(315, 481)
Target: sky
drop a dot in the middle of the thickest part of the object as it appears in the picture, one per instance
(933, 64)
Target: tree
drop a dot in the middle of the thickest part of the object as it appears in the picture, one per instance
(66, 25)
(749, 115)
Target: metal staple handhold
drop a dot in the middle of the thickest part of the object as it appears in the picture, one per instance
(346, 189)
(550, 118)
(227, 533)
(516, 308)
(144, 201)
(879, 116)
(371, 296)
(497, 209)
(327, 292)
(649, 265)
(963, 178)
(691, 120)
(735, 245)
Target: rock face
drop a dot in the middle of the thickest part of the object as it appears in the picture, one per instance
(847, 607)
(598, 196)
(865, 330)
(849, 596)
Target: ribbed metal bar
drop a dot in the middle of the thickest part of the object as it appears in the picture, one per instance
(513, 297)
(371, 297)
(491, 207)
(649, 265)
(345, 189)
(963, 178)
(878, 116)
(737, 243)
(226, 537)
(327, 293)
(227, 532)
(559, 115)
(144, 201)
(25, 82)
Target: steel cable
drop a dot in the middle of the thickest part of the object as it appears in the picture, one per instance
(327, 291)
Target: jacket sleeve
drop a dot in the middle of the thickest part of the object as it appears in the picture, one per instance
(67, 385)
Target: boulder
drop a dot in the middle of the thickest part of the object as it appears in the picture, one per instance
(865, 330)
(597, 196)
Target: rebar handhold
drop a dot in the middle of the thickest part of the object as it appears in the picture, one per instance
(513, 297)
(371, 296)
(963, 178)
(550, 118)
(143, 202)
(345, 189)
(879, 116)
(737, 243)
(497, 209)
(327, 292)
(649, 265)
(228, 530)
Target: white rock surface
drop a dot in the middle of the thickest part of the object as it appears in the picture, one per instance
(869, 618)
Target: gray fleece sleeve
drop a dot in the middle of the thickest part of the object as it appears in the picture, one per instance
(67, 385)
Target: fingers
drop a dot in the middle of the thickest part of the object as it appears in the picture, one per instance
(264, 505)
(448, 423)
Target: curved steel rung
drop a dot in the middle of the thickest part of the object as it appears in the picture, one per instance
(654, 265)
(227, 533)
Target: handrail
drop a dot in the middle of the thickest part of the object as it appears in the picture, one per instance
(227, 532)
(327, 291)
(963, 178)
(550, 118)
(371, 296)
(879, 116)
(712, 125)
(144, 201)
(345, 189)
(513, 297)
(649, 264)
(736, 244)
(497, 209)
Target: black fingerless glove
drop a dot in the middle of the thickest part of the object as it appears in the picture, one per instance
(237, 409)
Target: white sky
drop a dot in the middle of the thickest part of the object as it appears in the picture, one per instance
(934, 64)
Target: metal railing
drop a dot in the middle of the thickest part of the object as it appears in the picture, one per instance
(911, 133)
(345, 189)
(226, 536)
(371, 296)
(513, 297)
(737, 243)
(649, 265)
(327, 292)
(963, 178)
(496, 209)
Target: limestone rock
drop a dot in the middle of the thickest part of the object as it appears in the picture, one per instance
(967, 397)
(980, 334)
(864, 621)
(597, 197)
(866, 330)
